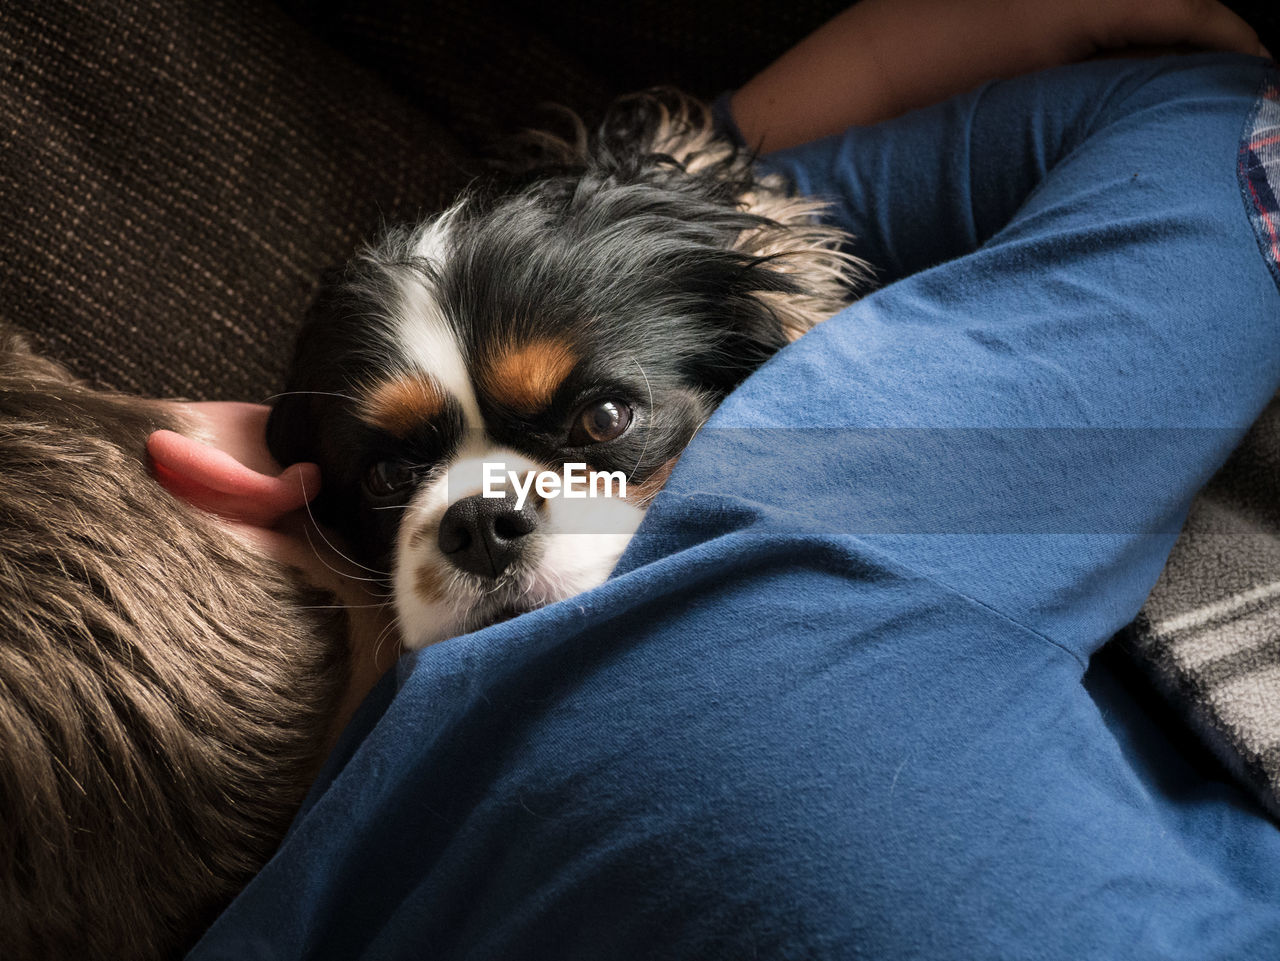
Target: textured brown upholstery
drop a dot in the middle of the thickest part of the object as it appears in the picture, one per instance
(174, 174)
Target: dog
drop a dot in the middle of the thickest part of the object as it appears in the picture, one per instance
(591, 310)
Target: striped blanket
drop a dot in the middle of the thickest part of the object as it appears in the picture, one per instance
(1210, 631)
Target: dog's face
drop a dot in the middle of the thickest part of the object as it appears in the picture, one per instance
(594, 314)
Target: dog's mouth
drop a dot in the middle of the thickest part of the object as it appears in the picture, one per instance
(437, 599)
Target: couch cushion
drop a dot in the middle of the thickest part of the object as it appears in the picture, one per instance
(174, 176)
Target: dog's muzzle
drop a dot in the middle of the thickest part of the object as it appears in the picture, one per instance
(486, 535)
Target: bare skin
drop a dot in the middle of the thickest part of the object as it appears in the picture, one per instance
(883, 58)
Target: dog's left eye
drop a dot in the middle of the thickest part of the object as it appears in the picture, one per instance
(600, 421)
(388, 477)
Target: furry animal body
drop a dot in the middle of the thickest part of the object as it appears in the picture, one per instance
(595, 310)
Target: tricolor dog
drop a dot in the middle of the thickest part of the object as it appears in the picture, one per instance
(592, 312)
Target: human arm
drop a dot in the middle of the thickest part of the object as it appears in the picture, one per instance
(882, 58)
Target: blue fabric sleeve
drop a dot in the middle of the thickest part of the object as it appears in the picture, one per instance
(1087, 331)
(810, 718)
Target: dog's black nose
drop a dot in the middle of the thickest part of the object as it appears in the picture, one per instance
(484, 535)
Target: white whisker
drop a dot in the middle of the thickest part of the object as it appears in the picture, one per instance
(381, 575)
(316, 393)
(320, 557)
(649, 387)
(383, 636)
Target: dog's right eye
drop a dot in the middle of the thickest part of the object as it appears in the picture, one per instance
(388, 477)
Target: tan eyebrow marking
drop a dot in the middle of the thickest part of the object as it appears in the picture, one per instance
(526, 376)
(399, 405)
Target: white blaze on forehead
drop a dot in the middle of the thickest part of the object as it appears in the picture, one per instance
(430, 241)
(426, 339)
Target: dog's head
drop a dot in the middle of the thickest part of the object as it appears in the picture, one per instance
(594, 312)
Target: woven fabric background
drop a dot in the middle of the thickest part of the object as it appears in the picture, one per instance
(173, 176)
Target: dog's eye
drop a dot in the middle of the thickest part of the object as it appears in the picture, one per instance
(388, 477)
(600, 421)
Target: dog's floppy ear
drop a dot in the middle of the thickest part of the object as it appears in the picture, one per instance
(664, 136)
(291, 434)
(318, 387)
(290, 429)
(635, 131)
(793, 242)
(314, 419)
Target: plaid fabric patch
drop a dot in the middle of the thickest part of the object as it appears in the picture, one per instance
(1260, 171)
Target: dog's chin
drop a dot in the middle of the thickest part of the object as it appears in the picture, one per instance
(507, 612)
(474, 609)
(457, 603)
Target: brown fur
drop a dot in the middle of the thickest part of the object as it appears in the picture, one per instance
(429, 584)
(526, 376)
(164, 696)
(399, 405)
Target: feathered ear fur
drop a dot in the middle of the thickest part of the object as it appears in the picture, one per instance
(663, 135)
